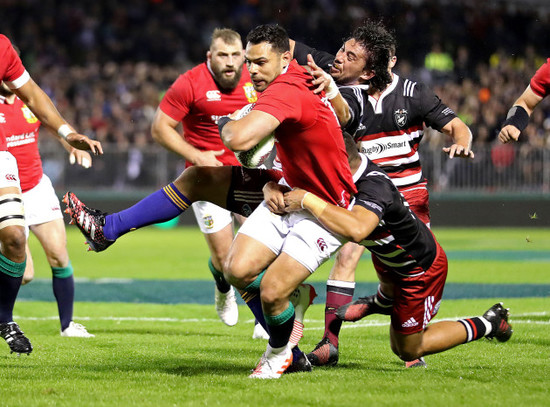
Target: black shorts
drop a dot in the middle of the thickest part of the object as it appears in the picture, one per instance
(245, 191)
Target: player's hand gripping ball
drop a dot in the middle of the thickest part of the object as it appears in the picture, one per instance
(257, 155)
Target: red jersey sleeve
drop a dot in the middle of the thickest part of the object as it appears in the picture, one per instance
(11, 68)
(178, 99)
(540, 82)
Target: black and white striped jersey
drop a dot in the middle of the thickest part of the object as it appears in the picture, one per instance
(389, 129)
(400, 241)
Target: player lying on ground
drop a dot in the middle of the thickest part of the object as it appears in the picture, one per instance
(408, 259)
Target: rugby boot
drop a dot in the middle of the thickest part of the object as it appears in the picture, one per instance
(300, 362)
(15, 338)
(497, 315)
(272, 365)
(89, 221)
(324, 354)
(360, 308)
(226, 306)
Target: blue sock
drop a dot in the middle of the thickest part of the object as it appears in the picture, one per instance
(63, 290)
(161, 206)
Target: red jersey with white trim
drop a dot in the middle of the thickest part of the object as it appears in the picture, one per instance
(21, 130)
(540, 82)
(12, 72)
(309, 140)
(196, 100)
(389, 129)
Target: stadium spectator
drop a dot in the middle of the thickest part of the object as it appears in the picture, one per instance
(12, 221)
(519, 113)
(411, 265)
(43, 214)
(197, 99)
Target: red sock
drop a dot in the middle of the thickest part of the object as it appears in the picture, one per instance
(338, 293)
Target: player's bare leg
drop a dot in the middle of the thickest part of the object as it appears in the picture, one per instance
(12, 265)
(444, 335)
(224, 295)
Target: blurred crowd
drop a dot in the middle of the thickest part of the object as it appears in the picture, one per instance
(107, 64)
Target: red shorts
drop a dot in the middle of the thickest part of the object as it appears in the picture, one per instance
(418, 198)
(416, 299)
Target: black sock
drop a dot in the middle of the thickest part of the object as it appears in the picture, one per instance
(9, 288)
(63, 290)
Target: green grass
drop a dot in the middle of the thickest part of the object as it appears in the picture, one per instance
(181, 253)
(162, 355)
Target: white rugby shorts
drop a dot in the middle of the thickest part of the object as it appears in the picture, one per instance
(9, 173)
(41, 203)
(211, 218)
(297, 234)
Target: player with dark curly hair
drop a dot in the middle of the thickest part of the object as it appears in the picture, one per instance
(386, 115)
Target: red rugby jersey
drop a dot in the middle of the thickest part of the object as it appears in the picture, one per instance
(12, 72)
(196, 100)
(21, 134)
(309, 140)
(540, 82)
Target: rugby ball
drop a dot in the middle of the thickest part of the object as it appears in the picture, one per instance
(260, 153)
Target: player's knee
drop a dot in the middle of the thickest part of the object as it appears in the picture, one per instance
(270, 295)
(58, 258)
(13, 243)
(237, 272)
(193, 180)
(407, 353)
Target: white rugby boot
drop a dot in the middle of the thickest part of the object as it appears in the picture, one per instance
(75, 330)
(273, 363)
(226, 306)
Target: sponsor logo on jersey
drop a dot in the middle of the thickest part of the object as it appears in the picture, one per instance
(409, 323)
(2, 118)
(386, 147)
(20, 139)
(208, 221)
(250, 93)
(213, 96)
(400, 117)
(322, 245)
(11, 177)
(29, 116)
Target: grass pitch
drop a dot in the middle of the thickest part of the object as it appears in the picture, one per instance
(160, 355)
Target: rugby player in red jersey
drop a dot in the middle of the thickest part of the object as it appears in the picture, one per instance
(12, 219)
(406, 253)
(386, 115)
(197, 99)
(43, 214)
(518, 115)
(273, 254)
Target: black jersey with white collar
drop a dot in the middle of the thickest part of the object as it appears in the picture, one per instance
(401, 241)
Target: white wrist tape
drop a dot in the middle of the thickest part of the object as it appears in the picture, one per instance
(64, 130)
(303, 199)
(332, 90)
